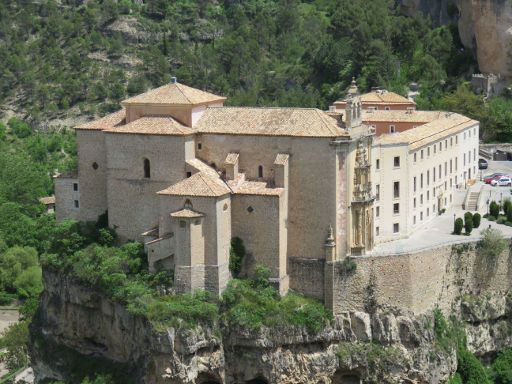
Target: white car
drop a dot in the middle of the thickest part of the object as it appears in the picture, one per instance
(503, 181)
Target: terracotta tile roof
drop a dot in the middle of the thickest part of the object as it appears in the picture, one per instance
(201, 166)
(448, 124)
(306, 122)
(187, 213)
(231, 158)
(153, 125)
(67, 175)
(281, 159)
(109, 121)
(382, 97)
(47, 200)
(174, 93)
(244, 187)
(400, 116)
(199, 184)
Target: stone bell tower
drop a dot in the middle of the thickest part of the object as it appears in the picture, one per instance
(353, 107)
(362, 202)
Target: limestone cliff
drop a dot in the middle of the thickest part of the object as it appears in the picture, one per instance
(485, 26)
(78, 331)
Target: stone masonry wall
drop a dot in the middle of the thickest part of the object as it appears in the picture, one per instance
(418, 282)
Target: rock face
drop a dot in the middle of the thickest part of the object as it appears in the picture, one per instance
(78, 331)
(485, 26)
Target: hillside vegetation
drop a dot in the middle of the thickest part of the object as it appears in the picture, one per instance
(62, 58)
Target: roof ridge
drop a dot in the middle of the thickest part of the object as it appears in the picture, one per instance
(181, 91)
(261, 107)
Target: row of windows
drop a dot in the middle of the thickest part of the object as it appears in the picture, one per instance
(439, 146)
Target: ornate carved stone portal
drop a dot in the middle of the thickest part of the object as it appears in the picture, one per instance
(362, 202)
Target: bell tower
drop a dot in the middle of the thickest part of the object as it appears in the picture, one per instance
(353, 107)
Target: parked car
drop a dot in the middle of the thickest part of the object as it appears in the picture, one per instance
(503, 181)
(483, 164)
(488, 179)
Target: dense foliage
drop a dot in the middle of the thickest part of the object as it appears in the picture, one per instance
(291, 52)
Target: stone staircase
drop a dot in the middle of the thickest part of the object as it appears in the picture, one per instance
(473, 201)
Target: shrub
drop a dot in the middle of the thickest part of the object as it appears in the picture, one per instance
(468, 227)
(457, 227)
(471, 369)
(491, 218)
(468, 216)
(492, 243)
(507, 206)
(236, 256)
(494, 209)
(477, 218)
(501, 220)
(502, 367)
(19, 127)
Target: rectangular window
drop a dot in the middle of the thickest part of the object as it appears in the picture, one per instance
(414, 219)
(377, 192)
(414, 183)
(456, 165)
(396, 189)
(464, 162)
(421, 181)
(451, 141)
(428, 151)
(377, 211)
(414, 203)
(435, 148)
(396, 228)
(377, 164)
(422, 154)
(396, 209)
(415, 156)
(377, 231)
(75, 186)
(434, 174)
(474, 153)
(77, 204)
(428, 195)
(445, 168)
(440, 172)
(428, 178)
(440, 147)
(392, 129)
(428, 212)
(434, 209)
(421, 216)
(446, 144)
(421, 199)
(199, 146)
(457, 139)
(451, 168)
(396, 161)
(433, 192)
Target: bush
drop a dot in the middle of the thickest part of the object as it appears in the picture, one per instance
(471, 369)
(502, 367)
(494, 209)
(507, 206)
(19, 127)
(468, 223)
(457, 227)
(477, 218)
(491, 218)
(236, 256)
(492, 243)
(501, 220)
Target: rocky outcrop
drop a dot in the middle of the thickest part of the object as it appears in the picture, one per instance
(485, 27)
(78, 330)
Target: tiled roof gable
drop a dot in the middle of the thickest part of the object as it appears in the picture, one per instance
(174, 93)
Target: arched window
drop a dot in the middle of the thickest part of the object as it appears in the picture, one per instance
(147, 169)
(260, 171)
(188, 204)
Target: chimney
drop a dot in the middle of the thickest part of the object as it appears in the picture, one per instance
(174, 80)
(332, 108)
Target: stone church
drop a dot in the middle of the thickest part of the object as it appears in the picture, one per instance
(179, 171)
